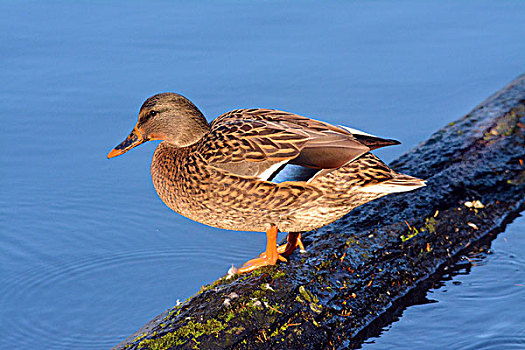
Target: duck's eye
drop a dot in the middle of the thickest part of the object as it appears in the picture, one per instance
(147, 116)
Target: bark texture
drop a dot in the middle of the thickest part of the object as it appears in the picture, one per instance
(377, 258)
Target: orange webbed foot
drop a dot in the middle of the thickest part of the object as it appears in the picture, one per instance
(285, 250)
(269, 257)
(272, 253)
(294, 241)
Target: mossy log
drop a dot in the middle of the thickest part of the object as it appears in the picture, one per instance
(360, 268)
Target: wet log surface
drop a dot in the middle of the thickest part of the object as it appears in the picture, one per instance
(376, 259)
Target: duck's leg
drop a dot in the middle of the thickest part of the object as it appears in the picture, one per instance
(285, 250)
(269, 257)
(294, 241)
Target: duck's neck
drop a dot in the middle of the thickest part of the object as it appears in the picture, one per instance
(189, 133)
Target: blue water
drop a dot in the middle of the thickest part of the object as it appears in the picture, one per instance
(479, 306)
(88, 252)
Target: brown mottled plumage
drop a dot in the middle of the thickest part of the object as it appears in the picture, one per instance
(220, 174)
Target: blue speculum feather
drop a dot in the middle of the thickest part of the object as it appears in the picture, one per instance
(290, 172)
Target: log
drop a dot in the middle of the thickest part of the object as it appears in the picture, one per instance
(359, 269)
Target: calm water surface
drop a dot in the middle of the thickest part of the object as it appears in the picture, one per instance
(478, 306)
(89, 253)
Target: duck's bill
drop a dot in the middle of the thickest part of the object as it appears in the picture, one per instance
(133, 140)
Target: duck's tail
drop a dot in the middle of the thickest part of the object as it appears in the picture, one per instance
(400, 183)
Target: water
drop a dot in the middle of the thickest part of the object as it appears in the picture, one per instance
(478, 307)
(88, 252)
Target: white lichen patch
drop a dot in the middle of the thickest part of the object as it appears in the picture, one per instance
(474, 204)
(473, 225)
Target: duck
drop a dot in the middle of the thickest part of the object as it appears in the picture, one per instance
(259, 169)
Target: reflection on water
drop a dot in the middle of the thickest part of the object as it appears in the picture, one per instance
(478, 306)
(88, 252)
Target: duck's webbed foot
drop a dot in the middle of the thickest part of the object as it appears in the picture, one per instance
(269, 257)
(294, 241)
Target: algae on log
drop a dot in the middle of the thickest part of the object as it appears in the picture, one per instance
(357, 269)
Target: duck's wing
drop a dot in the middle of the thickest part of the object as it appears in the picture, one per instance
(260, 142)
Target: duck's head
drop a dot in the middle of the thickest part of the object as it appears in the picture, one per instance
(169, 117)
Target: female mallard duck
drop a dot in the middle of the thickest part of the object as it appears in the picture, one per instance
(225, 174)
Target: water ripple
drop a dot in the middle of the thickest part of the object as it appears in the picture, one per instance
(476, 306)
(501, 281)
(33, 290)
(497, 343)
